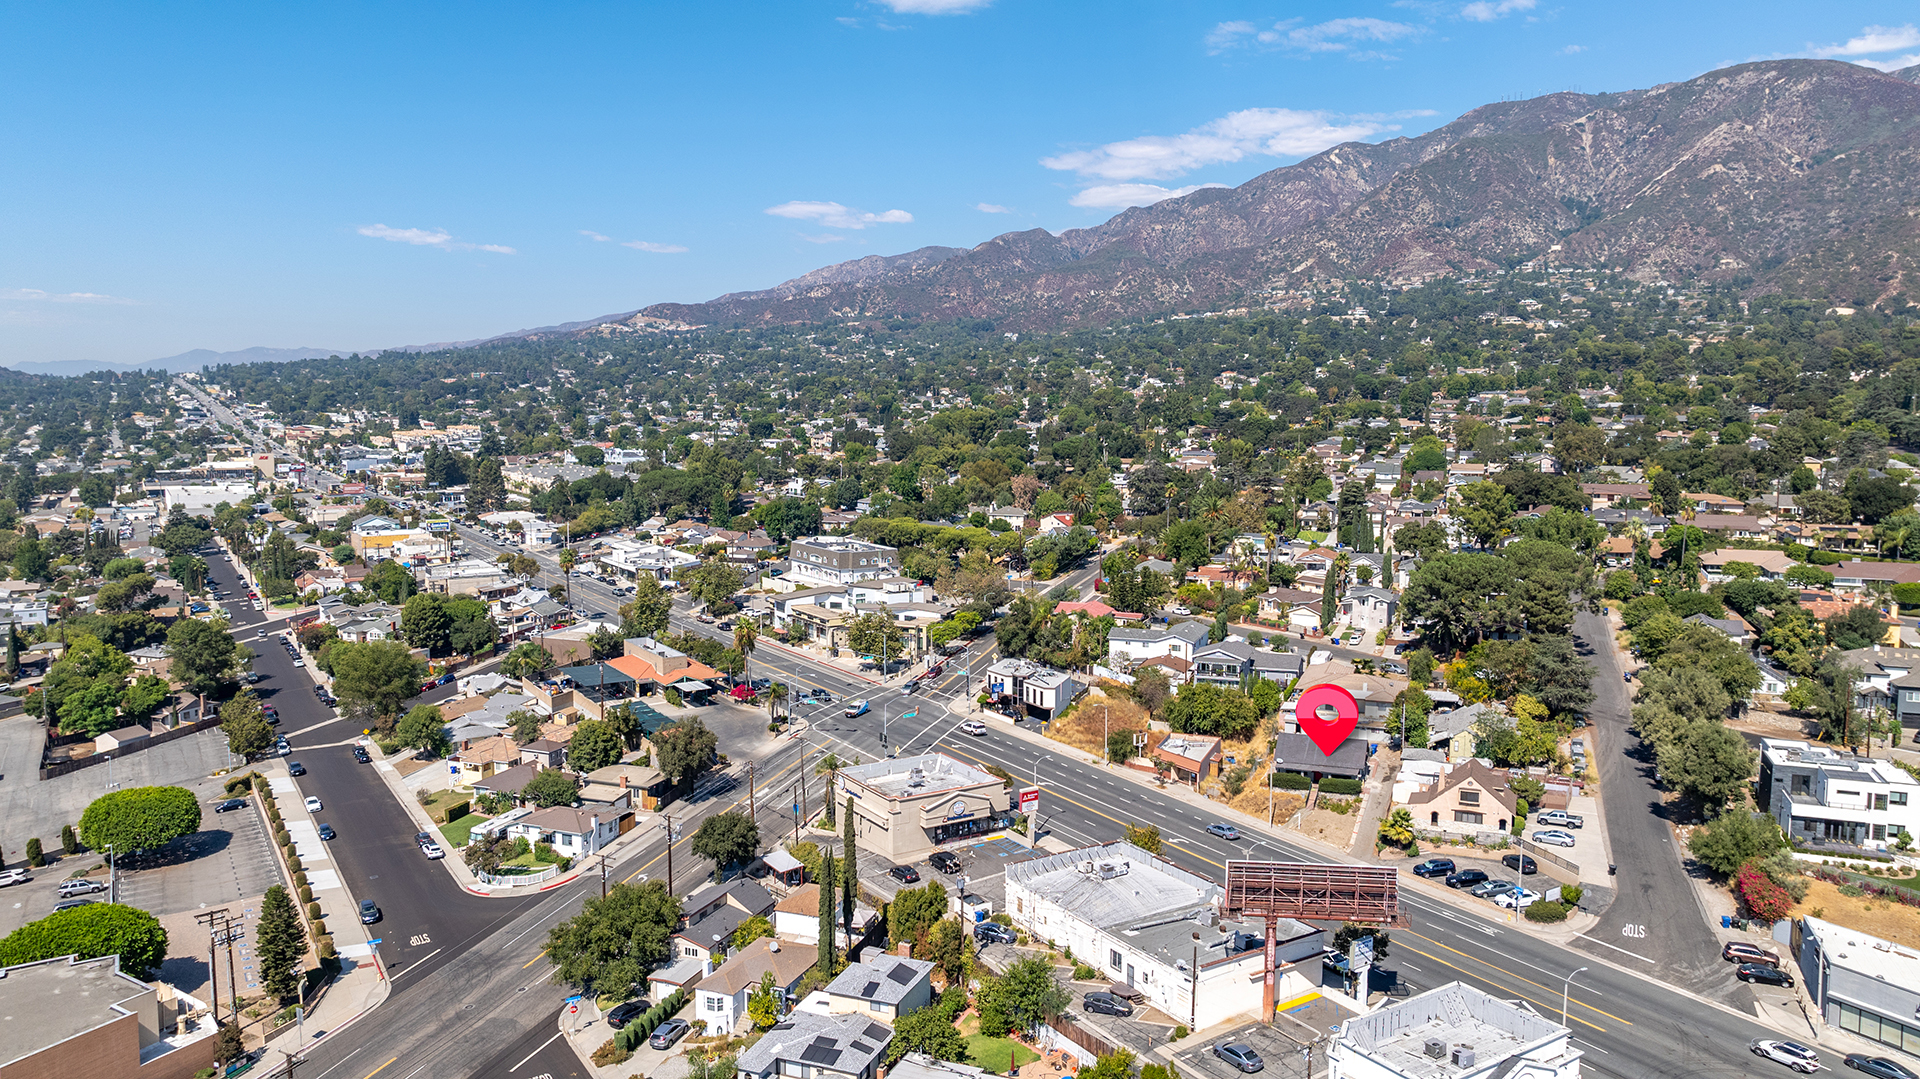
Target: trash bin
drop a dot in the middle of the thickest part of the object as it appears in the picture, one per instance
(1726, 921)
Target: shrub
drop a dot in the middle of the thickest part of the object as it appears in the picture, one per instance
(1851, 891)
(319, 930)
(611, 1053)
(1180, 1031)
(313, 911)
(35, 856)
(1339, 785)
(1765, 900)
(1085, 973)
(306, 893)
(69, 843)
(1570, 894)
(1545, 910)
(293, 863)
(1291, 781)
(323, 947)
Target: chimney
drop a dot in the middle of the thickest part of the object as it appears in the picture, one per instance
(623, 781)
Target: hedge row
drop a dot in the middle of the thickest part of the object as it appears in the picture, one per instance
(636, 1031)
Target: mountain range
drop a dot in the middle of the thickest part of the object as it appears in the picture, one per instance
(192, 360)
(1792, 174)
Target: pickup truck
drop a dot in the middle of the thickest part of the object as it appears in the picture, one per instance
(1563, 819)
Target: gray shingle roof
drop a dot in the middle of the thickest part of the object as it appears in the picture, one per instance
(884, 981)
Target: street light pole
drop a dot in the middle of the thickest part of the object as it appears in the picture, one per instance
(1565, 986)
(1033, 822)
(1193, 994)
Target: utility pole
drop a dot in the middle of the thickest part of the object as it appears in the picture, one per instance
(799, 806)
(668, 817)
(211, 919)
(603, 876)
(750, 811)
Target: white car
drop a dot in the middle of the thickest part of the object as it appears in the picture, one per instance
(1521, 899)
(973, 727)
(1792, 1054)
(313, 804)
(433, 851)
(1553, 837)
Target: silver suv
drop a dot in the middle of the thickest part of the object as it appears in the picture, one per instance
(81, 886)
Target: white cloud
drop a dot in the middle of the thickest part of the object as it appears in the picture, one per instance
(1121, 196)
(835, 216)
(1489, 10)
(1274, 132)
(595, 237)
(1873, 39)
(1334, 35)
(934, 7)
(1572, 49)
(658, 249)
(439, 238)
(823, 238)
(992, 208)
(34, 295)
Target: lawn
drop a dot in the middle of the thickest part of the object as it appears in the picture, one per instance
(457, 831)
(437, 801)
(998, 1055)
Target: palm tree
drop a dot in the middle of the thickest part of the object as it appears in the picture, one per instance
(1895, 537)
(746, 637)
(1078, 500)
(775, 694)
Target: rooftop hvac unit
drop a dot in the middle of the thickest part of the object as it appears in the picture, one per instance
(1109, 870)
(1463, 1056)
(1436, 1048)
(1086, 867)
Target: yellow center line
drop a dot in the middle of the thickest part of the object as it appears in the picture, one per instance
(1510, 974)
(628, 879)
(1571, 1018)
(534, 960)
(380, 1069)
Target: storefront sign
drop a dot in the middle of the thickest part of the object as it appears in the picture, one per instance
(1030, 800)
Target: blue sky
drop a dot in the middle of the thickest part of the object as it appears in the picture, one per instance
(358, 176)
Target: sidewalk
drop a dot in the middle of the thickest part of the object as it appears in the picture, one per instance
(586, 1031)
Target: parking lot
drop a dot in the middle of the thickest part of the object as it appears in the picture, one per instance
(1278, 1052)
(983, 864)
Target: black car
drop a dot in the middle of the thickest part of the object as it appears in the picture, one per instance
(327, 832)
(667, 1033)
(1106, 1004)
(1241, 1056)
(905, 874)
(295, 768)
(360, 754)
(1762, 972)
(369, 912)
(423, 838)
(944, 861)
(1879, 1067)
(994, 933)
(1466, 878)
(1433, 867)
(230, 804)
(623, 1014)
(1520, 863)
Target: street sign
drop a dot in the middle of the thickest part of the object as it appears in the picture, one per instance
(910, 715)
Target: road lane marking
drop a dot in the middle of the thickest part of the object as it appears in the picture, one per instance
(536, 1052)
(380, 1069)
(415, 965)
(1510, 974)
(536, 955)
(1616, 948)
(1483, 978)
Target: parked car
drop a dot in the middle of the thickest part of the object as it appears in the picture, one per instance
(230, 804)
(1879, 1067)
(1553, 837)
(369, 912)
(994, 933)
(944, 861)
(295, 768)
(1466, 878)
(1521, 863)
(857, 708)
(1792, 1054)
(1516, 898)
(622, 1014)
(1492, 886)
(1241, 1056)
(327, 832)
(313, 804)
(667, 1033)
(360, 754)
(1179, 610)
(70, 904)
(1433, 867)
(905, 874)
(16, 875)
(1765, 973)
(1560, 818)
(81, 886)
(1105, 1004)
(973, 727)
(1748, 953)
(433, 851)
(1224, 831)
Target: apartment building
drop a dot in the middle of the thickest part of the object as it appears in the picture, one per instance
(1822, 795)
(838, 560)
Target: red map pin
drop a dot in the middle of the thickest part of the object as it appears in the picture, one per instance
(1327, 733)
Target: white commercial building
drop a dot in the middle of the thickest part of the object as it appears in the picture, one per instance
(1149, 924)
(1453, 1032)
(838, 560)
(1822, 795)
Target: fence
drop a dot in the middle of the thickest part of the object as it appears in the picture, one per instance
(51, 768)
(1063, 1028)
(518, 880)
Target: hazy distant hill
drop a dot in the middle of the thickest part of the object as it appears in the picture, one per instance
(186, 361)
(1792, 173)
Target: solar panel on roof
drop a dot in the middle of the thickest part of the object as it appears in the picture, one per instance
(871, 989)
(877, 1032)
(820, 1054)
(863, 1047)
(901, 973)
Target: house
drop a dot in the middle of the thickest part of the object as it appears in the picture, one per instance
(1772, 565)
(508, 781)
(814, 1046)
(1733, 627)
(904, 807)
(1374, 693)
(1039, 690)
(1450, 730)
(124, 738)
(1093, 608)
(1453, 1031)
(1296, 752)
(1854, 576)
(1194, 757)
(1823, 796)
(1177, 639)
(887, 988)
(1295, 608)
(839, 560)
(73, 1016)
(1131, 915)
(721, 997)
(797, 917)
(480, 758)
(1608, 495)
(1731, 526)
(575, 833)
(1861, 984)
(1887, 678)
(714, 912)
(1368, 609)
(1472, 799)
(545, 753)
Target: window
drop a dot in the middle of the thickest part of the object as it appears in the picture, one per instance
(1898, 798)
(1469, 798)
(1879, 801)
(1461, 816)
(1113, 958)
(1879, 831)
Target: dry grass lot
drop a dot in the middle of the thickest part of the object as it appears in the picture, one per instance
(1889, 921)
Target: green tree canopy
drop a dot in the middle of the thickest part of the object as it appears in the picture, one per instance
(593, 745)
(613, 943)
(726, 838)
(551, 787)
(90, 932)
(685, 750)
(139, 818)
(423, 727)
(204, 654)
(374, 678)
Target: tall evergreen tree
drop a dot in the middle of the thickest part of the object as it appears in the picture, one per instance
(277, 943)
(826, 915)
(849, 874)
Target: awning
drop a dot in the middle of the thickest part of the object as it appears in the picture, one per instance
(693, 685)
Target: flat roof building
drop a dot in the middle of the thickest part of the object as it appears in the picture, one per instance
(838, 560)
(1862, 984)
(905, 807)
(69, 1016)
(1453, 1032)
